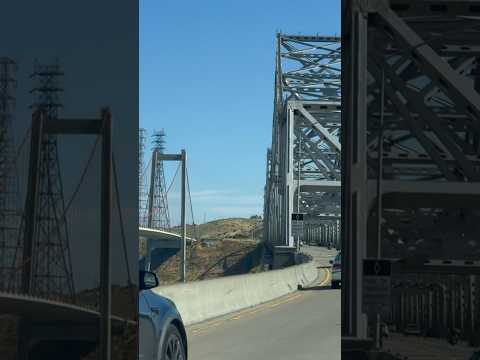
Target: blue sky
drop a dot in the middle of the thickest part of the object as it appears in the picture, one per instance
(206, 78)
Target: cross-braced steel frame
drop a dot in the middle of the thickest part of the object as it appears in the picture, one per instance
(158, 216)
(303, 163)
(9, 214)
(411, 145)
(142, 187)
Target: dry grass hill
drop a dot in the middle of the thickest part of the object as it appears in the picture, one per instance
(222, 243)
(231, 228)
(234, 228)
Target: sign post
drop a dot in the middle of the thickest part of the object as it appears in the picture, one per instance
(297, 227)
(376, 285)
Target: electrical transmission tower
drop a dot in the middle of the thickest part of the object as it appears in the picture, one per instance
(8, 179)
(158, 216)
(50, 267)
(142, 194)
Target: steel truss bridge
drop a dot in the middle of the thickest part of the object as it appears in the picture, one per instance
(411, 153)
(303, 163)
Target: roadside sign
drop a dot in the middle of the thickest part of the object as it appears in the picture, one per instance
(297, 224)
(376, 285)
(297, 217)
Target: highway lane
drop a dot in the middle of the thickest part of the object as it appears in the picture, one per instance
(423, 348)
(320, 255)
(303, 325)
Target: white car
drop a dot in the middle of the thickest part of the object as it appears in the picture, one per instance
(162, 335)
(337, 271)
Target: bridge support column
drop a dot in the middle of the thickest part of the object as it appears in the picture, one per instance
(354, 169)
(283, 256)
(290, 186)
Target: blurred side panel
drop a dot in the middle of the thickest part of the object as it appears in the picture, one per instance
(69, 180)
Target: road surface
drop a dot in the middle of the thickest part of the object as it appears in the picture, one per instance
(422, 348)
(321, 255)
(303, 325)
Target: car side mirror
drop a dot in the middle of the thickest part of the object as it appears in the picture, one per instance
(330, 261)
(148, 280)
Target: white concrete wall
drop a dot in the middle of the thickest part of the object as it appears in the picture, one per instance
(203, 300)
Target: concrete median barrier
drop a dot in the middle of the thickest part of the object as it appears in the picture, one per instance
(203, 300)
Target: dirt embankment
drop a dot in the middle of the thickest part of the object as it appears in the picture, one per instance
(234, 228)
(222, 244)
(206, 260)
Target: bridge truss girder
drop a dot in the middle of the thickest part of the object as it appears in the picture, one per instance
(303, 163)
(425, 73)
(436, 301)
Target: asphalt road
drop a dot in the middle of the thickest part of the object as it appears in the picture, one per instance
(420, 348)
(320, 255)
(303, 325)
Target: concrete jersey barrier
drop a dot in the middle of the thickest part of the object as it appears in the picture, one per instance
(203, 300)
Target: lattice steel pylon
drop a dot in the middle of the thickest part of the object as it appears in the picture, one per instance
(50, 267)
(8, 179)
(303, 163)
(158, 215)
(142, 193)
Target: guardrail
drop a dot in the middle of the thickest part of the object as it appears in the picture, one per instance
(204, 300)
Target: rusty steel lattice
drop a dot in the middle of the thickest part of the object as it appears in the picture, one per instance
(8, 178)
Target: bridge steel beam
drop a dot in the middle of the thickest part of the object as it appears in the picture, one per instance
(303, 163)
(354, 170)
(428, 144)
